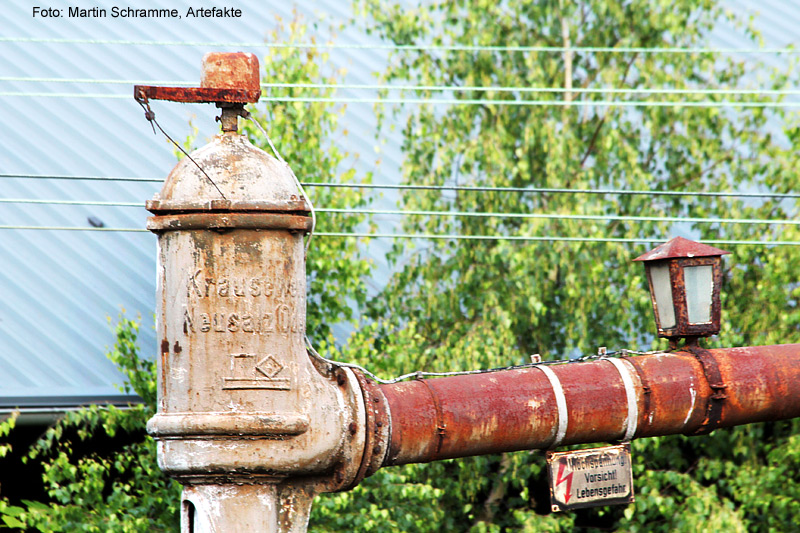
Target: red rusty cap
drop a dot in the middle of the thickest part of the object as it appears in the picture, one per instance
(237, 70)
(680, 247)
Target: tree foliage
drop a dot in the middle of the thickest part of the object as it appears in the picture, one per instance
(118, 489)
(463, 304)
(303, 133)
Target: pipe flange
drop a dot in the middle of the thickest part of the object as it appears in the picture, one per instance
(378, 429)
(229, 221)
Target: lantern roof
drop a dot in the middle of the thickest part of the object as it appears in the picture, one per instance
(680, 247)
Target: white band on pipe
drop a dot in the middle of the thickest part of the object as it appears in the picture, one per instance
(632, 419)
(561, 404)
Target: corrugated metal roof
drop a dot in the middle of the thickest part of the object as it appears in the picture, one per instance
(776, 21)
(58, 287)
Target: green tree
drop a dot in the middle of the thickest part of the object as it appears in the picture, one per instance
(463, 304)
(119, 490)
(123, 489)
(303, 134)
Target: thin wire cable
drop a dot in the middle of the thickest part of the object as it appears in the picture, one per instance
(479, 214)
(249, 115)
(64, 95)
(416, 47)
(88, 178)
(602, 354)
(450, 101)
(446, 88)
(464, 188)
(549, 216)
(535, 238)
(190, 158)
(151, 118)
(34, 79)
(528, 103)
(557, 90)
(553, 190)
(297, 181)
(524, 238)
(72, 228)
(69, 202)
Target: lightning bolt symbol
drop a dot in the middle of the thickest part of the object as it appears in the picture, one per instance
(561, 478)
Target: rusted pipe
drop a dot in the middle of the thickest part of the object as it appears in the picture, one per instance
(517, 409)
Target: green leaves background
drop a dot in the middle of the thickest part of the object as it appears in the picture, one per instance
(458, 304)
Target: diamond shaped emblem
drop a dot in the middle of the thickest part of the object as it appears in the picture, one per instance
(269, 367)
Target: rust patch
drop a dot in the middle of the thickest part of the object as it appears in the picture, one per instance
(441, 428)
(514, 409)
(231, 70)
(195, 95)
(164, 366)
(228, 221)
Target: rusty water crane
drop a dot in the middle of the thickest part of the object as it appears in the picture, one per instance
(254, 427)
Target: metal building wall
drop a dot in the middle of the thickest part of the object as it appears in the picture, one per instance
(59, 287)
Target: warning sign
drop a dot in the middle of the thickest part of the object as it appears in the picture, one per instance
(592, 477)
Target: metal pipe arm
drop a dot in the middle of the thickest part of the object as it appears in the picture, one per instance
(686, 392)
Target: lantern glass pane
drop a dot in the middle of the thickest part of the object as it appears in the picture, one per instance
(699, 288)
(662, 292)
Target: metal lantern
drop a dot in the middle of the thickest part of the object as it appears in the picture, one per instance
(685, 278)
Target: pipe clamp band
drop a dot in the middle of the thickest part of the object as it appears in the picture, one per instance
(717, 386)
(561, 404)
(632, 418)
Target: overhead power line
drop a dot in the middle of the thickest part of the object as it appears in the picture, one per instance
(415, 47)
(69, 202)
(434, 236)
(489, 88)
(530, 103)
(443, 88)
(560, 216)
(456, 101)
(478, 214)
(462, 188)
(556, 90)
(93, 96)
(73, 228)
(554, 190)
(89, 178)
(30, 79)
